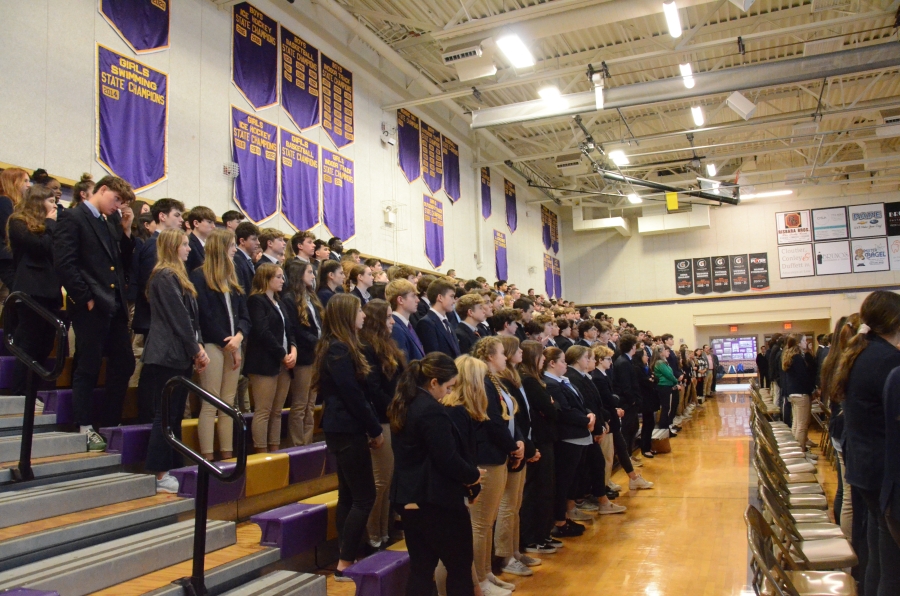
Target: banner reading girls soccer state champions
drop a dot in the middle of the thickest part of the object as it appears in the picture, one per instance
(254, 55)
(451, 169)
(143, 24)
(299, 180)
(500, 255)
(512, 215)
(485, 192)
(408, 148)
(434, 231)
(299, 80)
(548, 275)
(432, 160)
(338, 199)
(337, 102)
(557, 279)
(254, 147)
(132, 119)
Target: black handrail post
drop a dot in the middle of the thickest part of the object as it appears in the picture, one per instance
(201, 503)
(24, 472)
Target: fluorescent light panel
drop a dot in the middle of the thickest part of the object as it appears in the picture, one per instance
(634, 199)
(549, 93)
(711, 169)
(687, 75)
(619, 158)
(515, 51)
(697, 113)
(771, 193)
(672, 19)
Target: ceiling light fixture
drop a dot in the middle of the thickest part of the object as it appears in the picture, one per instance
(711, 170)
(515, 51)
(597, 80)
(764, 195)
(697, 113)
(634, 199)
(671, 12)
(549, 93)
(619, 158)
(687, 75)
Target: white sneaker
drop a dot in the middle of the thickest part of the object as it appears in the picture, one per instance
(517, 568)
(167, 484)
(499, 583)
(678, 420)
(639, 483)
(636, 462)
(611, 508)
(614, 486)
(578, 516)
(489, 589)
(529, 561)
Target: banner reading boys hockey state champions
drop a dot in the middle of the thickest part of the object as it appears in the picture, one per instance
(557, 279)
(408, 147)
(512, 215)
(548, 275)
(143, 24)
(451, 169)
(434, 231)
(337, 195)
(254, 147)
(485, 192)
(299, 180)
(545, 227)
(500, 255)
(337, 102)
(132, 119)
(432, 159)
(254, 56)
(299, 80)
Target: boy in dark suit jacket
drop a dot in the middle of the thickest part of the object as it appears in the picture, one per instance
(203, 222)
(434, 329)
(401, 295)
(247, 237)
(470, 309)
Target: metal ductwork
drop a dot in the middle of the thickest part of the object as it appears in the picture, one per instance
(766, 74)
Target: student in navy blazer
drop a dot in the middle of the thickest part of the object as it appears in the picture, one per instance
(361, 279)
(247, 238)
(401, 295)
(434, 329)
(331, 278)
(470, 308)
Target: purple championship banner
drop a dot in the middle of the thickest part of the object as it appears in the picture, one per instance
(408, 148)
(142, 24)
(337, 102)
(432, 159)
(548, 275)
(254, 56)
(299, 80)
(451, 169)
(254, 148)
(554, 232)
(299, 181)
(434, 231)
(512, 215)
(557, 279)
(500, 264)
(545, 228)
(337, 195)
(485, 192)
(132, 119)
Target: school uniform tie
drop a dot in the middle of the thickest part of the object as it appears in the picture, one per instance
(415, 337)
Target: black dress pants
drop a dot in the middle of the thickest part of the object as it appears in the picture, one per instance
(567, 459)
(356, 489)
(160, 455)
(630, 428)
(536, 512)
(435, 534)
(36, 336)
(648, 423)
(883, 568)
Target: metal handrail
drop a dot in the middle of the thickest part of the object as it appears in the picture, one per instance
(24, 472)
(194, 585)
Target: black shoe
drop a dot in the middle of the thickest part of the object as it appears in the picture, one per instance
(564, 532)
(611, 494)
(550, 541)
(647, 454)
(575, 526)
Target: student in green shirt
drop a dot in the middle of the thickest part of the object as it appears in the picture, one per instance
(666, 386)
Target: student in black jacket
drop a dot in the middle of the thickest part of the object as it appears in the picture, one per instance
(247, 237)
(625, 385)
(434, 329)
(331, 278)
(301, 297)
(563, 342)
(359, 281)
(470, 309)
(30, 231)
(798, 383)
(349, 420)
(435, 472)
(386, 362)
(224, 323)
(271, 355)
(92, 248)
(650, 402)
(203, 222)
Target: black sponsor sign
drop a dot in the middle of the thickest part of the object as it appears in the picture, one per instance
(684, 282)
(892, 211)
(740, 277)
(721, 281)
(759, 271)
(702, 277)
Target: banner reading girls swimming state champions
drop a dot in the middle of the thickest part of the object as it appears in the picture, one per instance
(143, 24)
(548, 275)
(254, 148)
(337, 102)
(299, 180)
(338, 206)
(557, 279)
(451, 169)
(434, 231)
(254, 56)
(485, 192)
(500, 255)
(512, 215)
(432, 160)
(408, 148)
(299, 80)
(132, 119)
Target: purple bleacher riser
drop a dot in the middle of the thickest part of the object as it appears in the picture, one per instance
(383, 574)
(28, 592)
(294, 528)
(4, 351)
(59, 402)
(131, 441)
(8, 363)
(219, 492)
(306, 462)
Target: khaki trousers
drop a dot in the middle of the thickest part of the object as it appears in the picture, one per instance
(302, 418)
(846, 521)
(801, 411)
(506, 541)
(269, 395)
(221, 379)
(707, 383)
(608, 447)
(484, 514)
(379, 524)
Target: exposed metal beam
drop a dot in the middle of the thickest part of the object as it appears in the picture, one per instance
(686, 39)
(390, 18)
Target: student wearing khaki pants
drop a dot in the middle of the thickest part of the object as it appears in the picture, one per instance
(224, 323)
(798, 379)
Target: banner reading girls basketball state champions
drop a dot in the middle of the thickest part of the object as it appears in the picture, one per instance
(254, 147)
(299, 80)
(338, 206)
(432, 160)
(408, 148)
(143, 24)
(500, 255)
(132, 118)
(254, 56)
(337, 102)
(451, 169)
(548, 275)
(434, 231)
(512, 215)
(299, 180)
(485, 192)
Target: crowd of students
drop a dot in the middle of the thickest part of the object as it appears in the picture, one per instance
(487, 419)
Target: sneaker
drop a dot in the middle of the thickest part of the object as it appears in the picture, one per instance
(614, 486)
(592, 499)
(677, 420)
(375, 544)
(489, 589)
(636, 462)
(673, 432)
(576, 515)
(567, 531)
(167, 484)
(94, 441)
(540, 549)
(340, 577)
(612, 495)
(648, 455)
(612, 508)
(639, 483)
(517, 568)
(586, 506)
(529, 561)
(38, 407)
(499, 583)
(557, 544)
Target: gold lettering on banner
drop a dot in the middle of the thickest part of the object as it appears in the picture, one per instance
(134, 77)
(336, 171)
(434, 212)
(337, 99)
(300, 62)
(296, 148)
(253, 133)
(160, 4)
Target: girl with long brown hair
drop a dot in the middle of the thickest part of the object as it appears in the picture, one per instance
(359, 280)
(13, 184)
(798, 383)
(349, 420)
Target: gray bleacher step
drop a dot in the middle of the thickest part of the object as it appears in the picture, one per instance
(70, 466)
(283, 583)
(41, 502)
(98, 567)
(11, 404)
(49, 543)
(44, 445)
(16, 420)
(232, 574)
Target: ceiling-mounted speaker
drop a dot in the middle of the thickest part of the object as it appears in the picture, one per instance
(742, 106)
